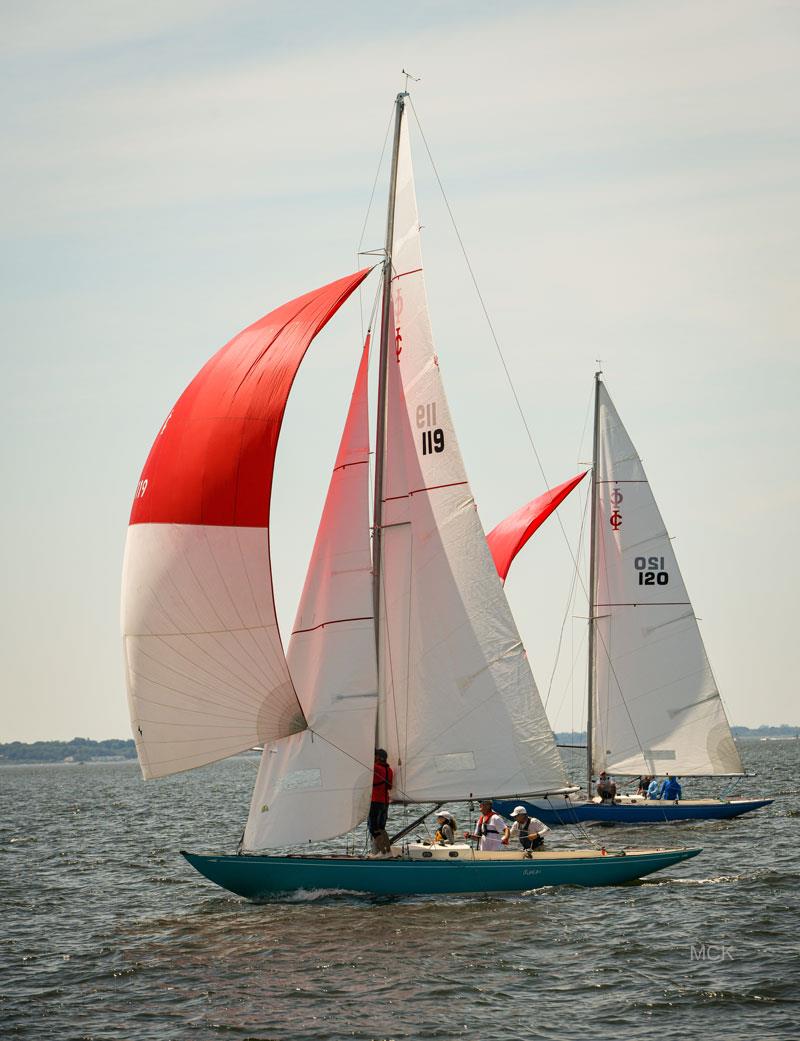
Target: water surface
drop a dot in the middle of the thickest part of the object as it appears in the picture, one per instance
(108, 934)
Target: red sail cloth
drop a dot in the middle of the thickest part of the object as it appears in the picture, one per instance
(510, 535)
(212, 460)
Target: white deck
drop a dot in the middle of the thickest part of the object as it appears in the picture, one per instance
(462, 851)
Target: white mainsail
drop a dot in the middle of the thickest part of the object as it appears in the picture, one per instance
(316, 784)
(459, 710)
(657, 708)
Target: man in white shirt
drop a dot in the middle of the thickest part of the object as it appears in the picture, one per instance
(491, 831)
(530, 831)
(606, 787)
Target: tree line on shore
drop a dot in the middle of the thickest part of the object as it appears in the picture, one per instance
(78, 750)
(85, 750)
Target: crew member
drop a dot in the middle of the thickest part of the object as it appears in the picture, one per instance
(445, 829)
(529, 830)
(670, 789)
(606, 788)
(382, 778)
(491, 831)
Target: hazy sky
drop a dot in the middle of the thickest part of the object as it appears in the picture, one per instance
(625, 177)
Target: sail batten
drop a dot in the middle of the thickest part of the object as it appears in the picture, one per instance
(198, 613)
(657, 708)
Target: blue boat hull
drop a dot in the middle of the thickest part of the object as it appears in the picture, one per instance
(651, 812)
(258, 877)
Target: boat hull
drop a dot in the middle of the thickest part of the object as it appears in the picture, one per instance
(650, 811)
(258, 877)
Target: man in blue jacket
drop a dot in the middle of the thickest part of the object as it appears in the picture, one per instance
(670, 789)
(653, 789)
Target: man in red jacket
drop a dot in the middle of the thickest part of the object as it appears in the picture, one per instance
(382, 777)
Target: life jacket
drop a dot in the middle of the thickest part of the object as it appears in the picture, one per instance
(382, 778)
(526, 839)
(483, 828)
(446, 832)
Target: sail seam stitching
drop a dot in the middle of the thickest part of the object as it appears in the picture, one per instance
(432, 488)
(333, 621)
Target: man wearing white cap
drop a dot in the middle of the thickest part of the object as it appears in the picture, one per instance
(529, 830)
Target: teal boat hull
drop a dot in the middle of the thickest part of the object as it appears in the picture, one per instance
(260, 877)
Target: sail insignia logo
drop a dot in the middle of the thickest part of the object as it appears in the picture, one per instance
(615, 520)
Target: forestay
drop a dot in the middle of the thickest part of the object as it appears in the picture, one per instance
(459, 710)
(657, 708)
(317, 784)
(205, 668)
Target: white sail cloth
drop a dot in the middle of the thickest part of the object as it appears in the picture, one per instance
(317, 784)
(459, 711)
(201, 645)
(657, 708)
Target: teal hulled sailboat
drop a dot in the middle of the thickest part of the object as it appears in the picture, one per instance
(405, 639)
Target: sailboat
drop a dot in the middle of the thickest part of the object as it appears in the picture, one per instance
(653, 703)
(403, 636)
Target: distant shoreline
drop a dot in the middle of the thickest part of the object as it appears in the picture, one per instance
(116, 750)
(783, 731)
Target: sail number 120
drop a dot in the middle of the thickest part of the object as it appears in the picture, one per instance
(651, 571)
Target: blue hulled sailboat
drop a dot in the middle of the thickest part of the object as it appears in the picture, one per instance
(654, 707)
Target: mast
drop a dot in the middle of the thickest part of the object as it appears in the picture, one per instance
(592, 574)
(380, 436)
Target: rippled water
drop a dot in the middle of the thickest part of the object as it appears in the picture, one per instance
(108, 934)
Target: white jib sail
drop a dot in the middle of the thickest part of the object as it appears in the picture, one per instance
(316, 784)
(657, 708)
(459, 710)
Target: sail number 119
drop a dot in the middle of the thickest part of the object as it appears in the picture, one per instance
(432, 440)
(651, 571)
